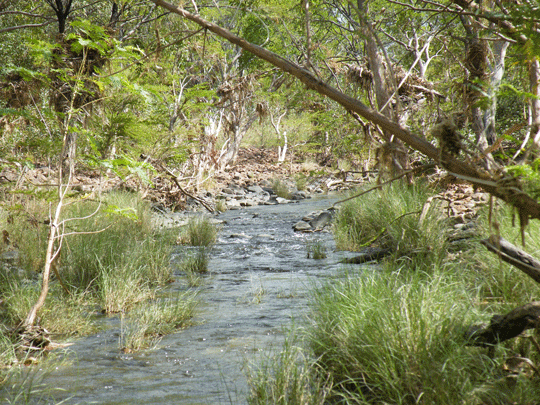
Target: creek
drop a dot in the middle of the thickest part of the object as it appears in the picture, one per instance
(257, 286)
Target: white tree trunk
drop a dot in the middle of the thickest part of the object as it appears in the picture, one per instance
(534, 79)
(496, 76)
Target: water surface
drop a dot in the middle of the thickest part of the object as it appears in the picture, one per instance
(256, 288)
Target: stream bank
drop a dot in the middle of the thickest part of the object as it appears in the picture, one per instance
(257, 286)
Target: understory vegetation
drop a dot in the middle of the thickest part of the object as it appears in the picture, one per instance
(112, 262)
(398, 333)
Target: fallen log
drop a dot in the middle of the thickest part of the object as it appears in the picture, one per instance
(513, 255)
(504, 327)
(368, 255)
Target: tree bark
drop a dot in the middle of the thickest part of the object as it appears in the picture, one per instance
(505, 327)
(49, 259)
(523, 202)
(394, 157)
(534, 79)
(496, 75)
(513, 255)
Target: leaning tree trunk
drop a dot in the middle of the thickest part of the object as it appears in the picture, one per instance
(526, 205)
(50, 257)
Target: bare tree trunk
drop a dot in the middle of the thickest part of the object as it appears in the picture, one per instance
(393, 156)
(476, 57)
(50, 256)
(233, 145)
(277, 124)
(534, 79)
(496, 76)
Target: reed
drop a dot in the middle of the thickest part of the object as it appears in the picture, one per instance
(199, 231)
(287, 377)
(316, 250)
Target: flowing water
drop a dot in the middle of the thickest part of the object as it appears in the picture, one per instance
(257, 286)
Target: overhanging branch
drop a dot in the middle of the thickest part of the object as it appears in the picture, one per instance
(528, 207)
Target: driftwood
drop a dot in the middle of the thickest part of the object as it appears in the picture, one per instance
(513, 255)
(504, 327)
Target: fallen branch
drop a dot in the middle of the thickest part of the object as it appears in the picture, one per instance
(513, 255)
(199, 200)
(505, 327)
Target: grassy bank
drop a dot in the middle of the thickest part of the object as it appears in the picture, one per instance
(396, 334)
(113, 261)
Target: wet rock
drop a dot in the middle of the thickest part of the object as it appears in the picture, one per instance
(248, 202)
(299, 195)
(239, 236)
(281, 200)
(314, 221)
(323, 219)
(302, 226)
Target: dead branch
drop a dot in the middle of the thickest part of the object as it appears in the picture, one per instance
(505, 327)
(513, 255)
(199, 200)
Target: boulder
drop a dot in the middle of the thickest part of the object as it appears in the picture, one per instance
(323, 219)
(302, 226)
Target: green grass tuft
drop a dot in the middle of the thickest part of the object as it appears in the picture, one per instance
(394, 217)
(199, 232)
(149, 322)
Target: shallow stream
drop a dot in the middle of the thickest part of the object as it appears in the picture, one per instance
(256, 288)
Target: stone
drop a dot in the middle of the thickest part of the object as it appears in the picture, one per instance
(322, 220)
(302, 226)
(255, 189)
(299, 195)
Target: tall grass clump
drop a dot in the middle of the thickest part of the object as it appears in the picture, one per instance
(147, 323)
(393, 217)
(497, 281)
(289, 377)
(386, 339)
(117, 256)
(316, 250)
(199, 231)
